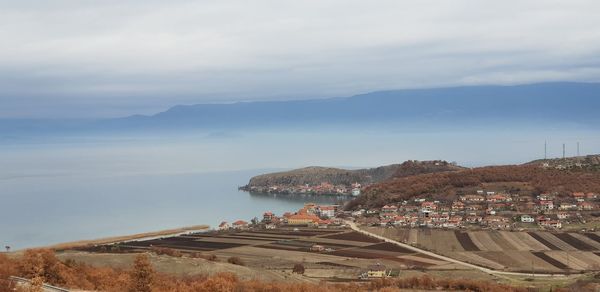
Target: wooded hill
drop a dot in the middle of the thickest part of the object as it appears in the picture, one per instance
(338, 176)
(531, 178)
(589, 162)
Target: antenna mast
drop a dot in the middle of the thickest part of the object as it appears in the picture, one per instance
(545, 150)
(577, 148)
(563, 150)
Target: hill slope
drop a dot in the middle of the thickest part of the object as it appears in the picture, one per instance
(530, 178)
(589, 162)
(336, 176)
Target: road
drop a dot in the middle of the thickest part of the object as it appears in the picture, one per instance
(448, 259)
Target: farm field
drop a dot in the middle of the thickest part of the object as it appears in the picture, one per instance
(541, 252)
(346, 253)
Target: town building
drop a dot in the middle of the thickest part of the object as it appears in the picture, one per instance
(326, 211)
(389, 209)
(546, 205)
(268, 217)
(579, 196)
(377, 271)
(472, 198)
(302, 219)
(527, 219)
(585, 206)
(240, 224)
(224, 226)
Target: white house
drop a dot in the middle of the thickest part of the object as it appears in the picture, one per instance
(546, 205)
(527, 219)
(327, 211)
(358, 213)
(224, 226)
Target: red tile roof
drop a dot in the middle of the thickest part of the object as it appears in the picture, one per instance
(240, 222)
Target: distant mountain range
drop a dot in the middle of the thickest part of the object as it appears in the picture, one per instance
(541, 104)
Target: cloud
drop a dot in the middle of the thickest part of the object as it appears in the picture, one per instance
(111, 58)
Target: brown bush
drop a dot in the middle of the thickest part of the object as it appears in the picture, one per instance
(298, 269)
(236, 261)
(166, 251)
(142, 274)
(209, 257)
(8, 268)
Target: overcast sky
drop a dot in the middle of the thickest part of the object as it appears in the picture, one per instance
(109, 58)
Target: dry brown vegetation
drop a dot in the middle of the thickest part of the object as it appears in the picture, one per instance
(44, 266)
(446, 185)
(317, 175)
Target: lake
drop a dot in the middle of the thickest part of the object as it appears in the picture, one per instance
(38, 211)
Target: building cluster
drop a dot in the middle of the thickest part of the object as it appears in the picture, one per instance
(487, 209)
(311, 215)
(483, 209)
(324, 188)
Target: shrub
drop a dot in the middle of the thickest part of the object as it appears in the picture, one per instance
(236, 261)
(166, 251)
(298, 269)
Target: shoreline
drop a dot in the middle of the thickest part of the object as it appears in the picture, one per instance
(311, 194)
(122, 238)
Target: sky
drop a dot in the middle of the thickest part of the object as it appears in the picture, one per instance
(83, 58)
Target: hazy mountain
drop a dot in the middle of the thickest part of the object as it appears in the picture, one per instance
(555, 103)
(535, 105)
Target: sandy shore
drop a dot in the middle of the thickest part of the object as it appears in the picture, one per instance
(147, 235)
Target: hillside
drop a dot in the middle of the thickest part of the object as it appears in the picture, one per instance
(313, 176)
(530, 178)
(589, 162)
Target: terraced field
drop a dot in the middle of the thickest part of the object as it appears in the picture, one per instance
(548, 252)
(339, 243)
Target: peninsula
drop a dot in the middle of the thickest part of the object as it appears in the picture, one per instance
(336, 181)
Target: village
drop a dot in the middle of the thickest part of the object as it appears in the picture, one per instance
(324, 188)
(486, 209)
(481, 209)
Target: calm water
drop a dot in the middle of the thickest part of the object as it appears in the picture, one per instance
(51, 209)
